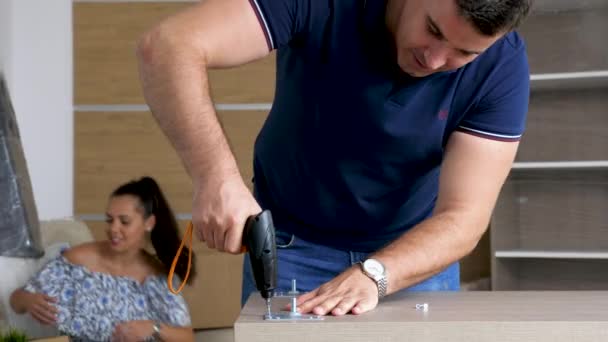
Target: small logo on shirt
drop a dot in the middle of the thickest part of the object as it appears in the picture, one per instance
(443, 114)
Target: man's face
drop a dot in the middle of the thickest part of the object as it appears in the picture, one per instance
(431, 36)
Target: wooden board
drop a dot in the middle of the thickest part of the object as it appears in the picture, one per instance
(553, 210)
(105, 65)
(566, 124)
(478, 316)
(114, 147)
(534, 274)
(566, 41)
(53, 339)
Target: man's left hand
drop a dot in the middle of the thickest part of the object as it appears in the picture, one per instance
(351, 291)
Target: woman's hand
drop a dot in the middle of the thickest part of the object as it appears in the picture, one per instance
(41, 307)
(132, 331)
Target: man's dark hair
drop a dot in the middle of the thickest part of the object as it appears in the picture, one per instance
(491, 17)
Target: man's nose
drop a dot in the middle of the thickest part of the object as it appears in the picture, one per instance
(435, 57)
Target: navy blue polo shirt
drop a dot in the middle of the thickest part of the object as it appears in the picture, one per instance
(351, 151)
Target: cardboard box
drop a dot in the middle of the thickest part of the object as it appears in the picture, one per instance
(53, 339)
(214, 299)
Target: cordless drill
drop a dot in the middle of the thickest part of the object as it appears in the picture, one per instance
(259, 241)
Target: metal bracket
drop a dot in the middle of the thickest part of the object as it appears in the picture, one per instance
(291, 315)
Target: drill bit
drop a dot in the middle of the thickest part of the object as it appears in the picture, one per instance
(268, 307)
(294, 298)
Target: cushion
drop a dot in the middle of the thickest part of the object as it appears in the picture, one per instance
(15, 272)
(65, 231)
(56, 236)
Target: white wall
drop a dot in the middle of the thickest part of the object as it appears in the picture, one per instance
(5, 36)
(36, 45)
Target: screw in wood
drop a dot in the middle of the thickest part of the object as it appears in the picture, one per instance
(424, 307)
(293, 298)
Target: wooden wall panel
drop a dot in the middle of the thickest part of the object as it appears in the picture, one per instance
(115, 147)
(532, 274)
(251, 83)
(567, 124)
(105, 36)
(554, 210)
(476, 265)
(566, 41)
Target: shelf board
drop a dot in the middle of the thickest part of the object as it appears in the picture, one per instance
(557, 165)
(539, 254)
(569, 80)
(560, 76)
(567, 41)
(554, 7)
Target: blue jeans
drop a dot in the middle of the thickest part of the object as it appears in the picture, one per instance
(313, 265)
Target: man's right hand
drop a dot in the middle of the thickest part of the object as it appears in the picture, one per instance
(41, 307)
(174, 58)
(220, 210)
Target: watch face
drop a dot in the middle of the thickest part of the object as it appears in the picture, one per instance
(373, 267)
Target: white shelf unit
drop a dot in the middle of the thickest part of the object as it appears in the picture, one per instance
(541, 254)
(549, 230)
(561, 165)
(570, 80)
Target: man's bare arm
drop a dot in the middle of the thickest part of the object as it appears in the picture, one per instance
(473, 172)
(173, 60)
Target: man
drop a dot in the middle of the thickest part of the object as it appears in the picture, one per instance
(394, 126)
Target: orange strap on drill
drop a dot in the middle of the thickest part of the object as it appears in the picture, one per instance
(187, 236)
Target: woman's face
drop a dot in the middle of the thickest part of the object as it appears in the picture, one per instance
(127, 227)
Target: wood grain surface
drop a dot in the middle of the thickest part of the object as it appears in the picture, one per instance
(478, 316)
(105, 66)
(114, 147)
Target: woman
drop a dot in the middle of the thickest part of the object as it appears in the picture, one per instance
(114, 290)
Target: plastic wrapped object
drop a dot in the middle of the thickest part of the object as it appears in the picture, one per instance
(19, 224)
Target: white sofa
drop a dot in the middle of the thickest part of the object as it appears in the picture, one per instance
(56, 235)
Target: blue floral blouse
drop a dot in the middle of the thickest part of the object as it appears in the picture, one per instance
(90, 304)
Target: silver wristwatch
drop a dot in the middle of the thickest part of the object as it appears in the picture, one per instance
(156, 334)
(374, 269)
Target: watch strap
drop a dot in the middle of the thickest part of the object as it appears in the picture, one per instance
(381, 282)
(382, 286)
(156, 329)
